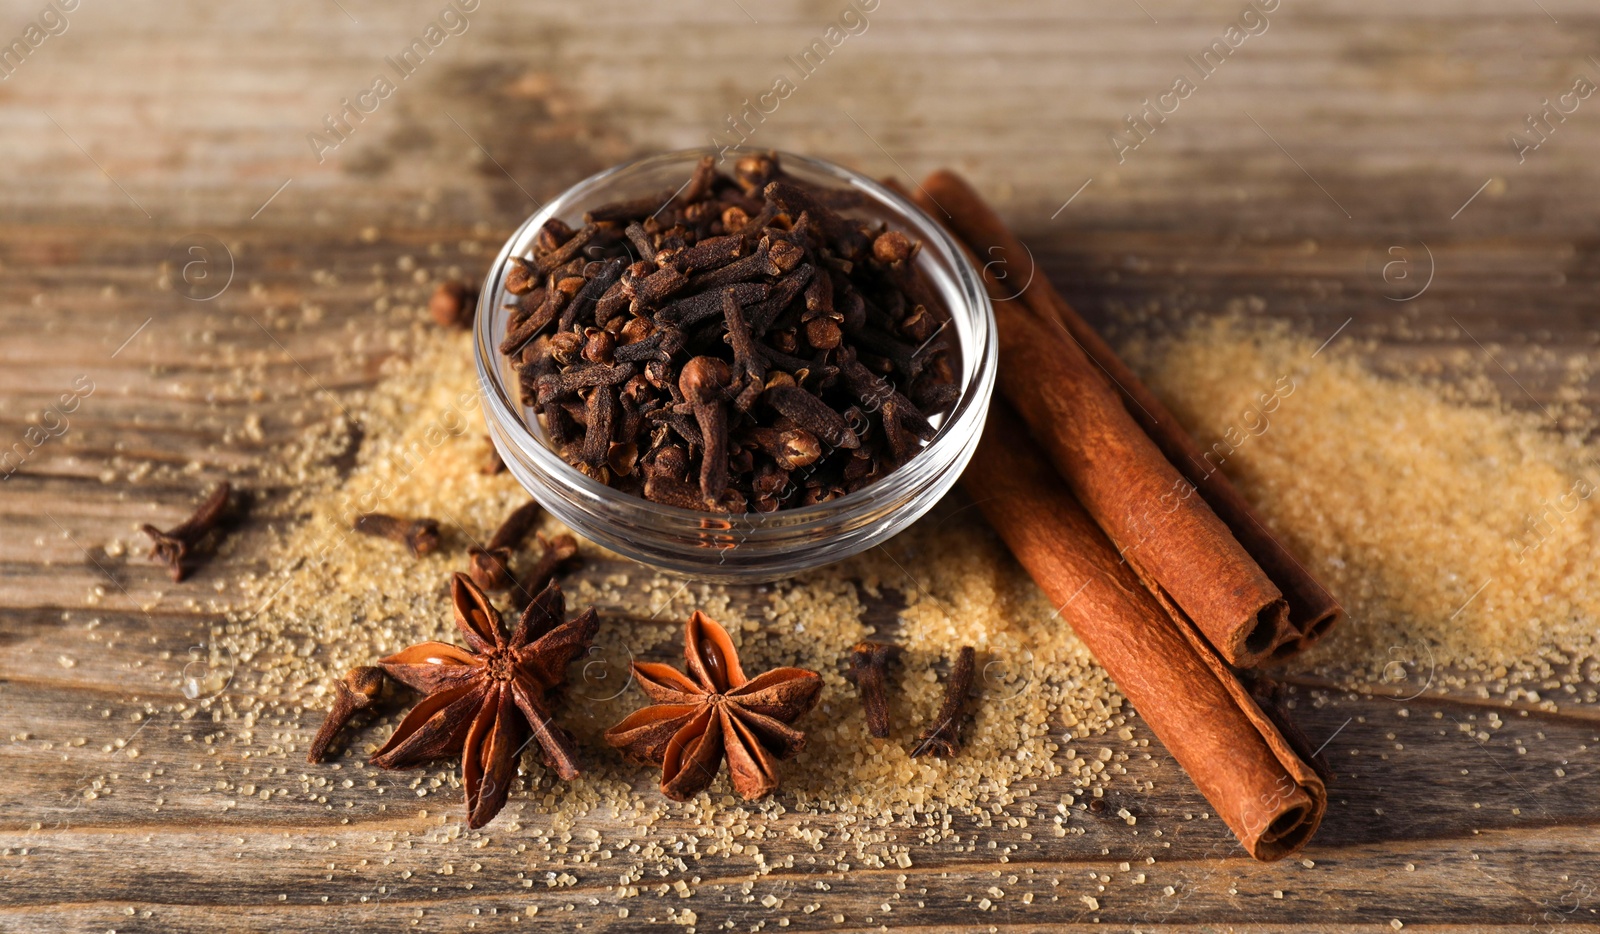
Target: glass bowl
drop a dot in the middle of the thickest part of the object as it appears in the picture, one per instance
(748, 547)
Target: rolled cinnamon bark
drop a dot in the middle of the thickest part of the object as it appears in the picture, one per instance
(1185, 555)
(1312, 610)
(1269, 796)
(1165, 531)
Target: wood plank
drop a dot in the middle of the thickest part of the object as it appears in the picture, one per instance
(1277, 189)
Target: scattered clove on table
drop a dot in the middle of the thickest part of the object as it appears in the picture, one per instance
(869, 669)
(491, 564)
(453, 305)
(174, 546)
(557, 554)
(359, 689)
(420, 536)
(943, 736)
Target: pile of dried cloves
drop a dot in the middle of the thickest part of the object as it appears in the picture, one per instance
(744, 343)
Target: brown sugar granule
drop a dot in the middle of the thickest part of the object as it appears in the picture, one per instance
(1343, 471)
(362, 599)
(1468, 527)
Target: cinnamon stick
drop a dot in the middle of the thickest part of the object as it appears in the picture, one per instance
(1312, 609)
(1166, 533)
(1262, 789)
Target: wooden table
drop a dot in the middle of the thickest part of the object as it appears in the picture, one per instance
(1345, 136)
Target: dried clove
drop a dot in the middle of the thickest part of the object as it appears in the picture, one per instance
(558, 386)
(586, 297)
(749, 369)
(492, 463)
(652, 289)
(747, 269)
(559, 256)
(943, 736)
(810, 413)
(869, 669)
(641, 241)
(892, 246)
(696, 308)
(490, 566)
(174, 546)
(600, 413)
(536, 310)
(704, 383)
(453, 304)
(420, 536)
(521, 278)
(671, 491)
(790, 449)
(360, 688)
(556, 555)
(785, 347)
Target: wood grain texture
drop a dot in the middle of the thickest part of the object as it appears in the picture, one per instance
(1278, 188)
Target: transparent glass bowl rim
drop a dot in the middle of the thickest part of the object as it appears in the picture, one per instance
(960, 428)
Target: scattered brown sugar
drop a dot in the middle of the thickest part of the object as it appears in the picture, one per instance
(1403, 501)
(1464, 529)
(1387, 488)
(331, 600)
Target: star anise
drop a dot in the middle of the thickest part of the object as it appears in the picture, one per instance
(716, 712)
(484, 700)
